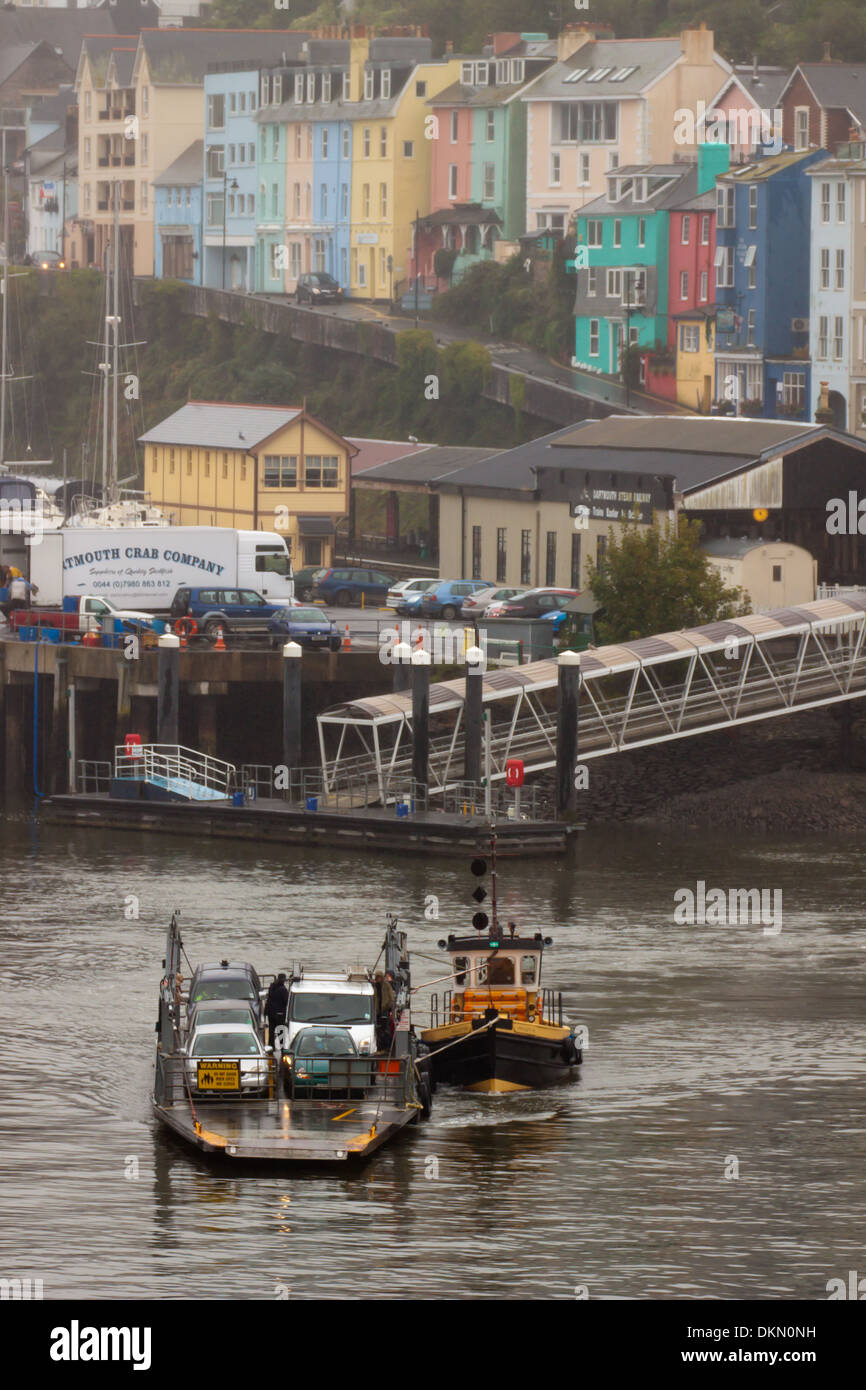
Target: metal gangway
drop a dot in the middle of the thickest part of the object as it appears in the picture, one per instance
(184, 771)
(652, 690)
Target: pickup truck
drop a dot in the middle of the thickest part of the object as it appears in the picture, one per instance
(84, 614)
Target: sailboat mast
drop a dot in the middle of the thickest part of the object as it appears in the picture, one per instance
(5, 304)
(112, 491)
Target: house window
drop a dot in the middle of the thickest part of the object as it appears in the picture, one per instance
(518, 68)
(385, 84)
(724, 264)
(344, 200)
(452, 180)
(455, 126)
(801, 127)
(750, 328)
(216, 111)
(296, 199)
(281, 470)
(594, 232)
(501, 554)
(825, 202)
(145, 101)
(326, 86)
(345, 142)
(466, 73)
(87, 197)
(87, 153)
(383, 142)
(840, 269)
(575, 561)
(724, 206)
(265, 89)
(617, 232)
(583, 170)
(365, 200)
(753, 206)
(420, 89)
(641, 231)
(275, 260)
(838, 337)
(207, 464)
(144, 197)
(311, 86)
(592, 280)
(408, 149)
(171, 460)
(369, 84)
(550, 559)
(793, 394)
(614, 284)
(489, 185)
(825, 269)
(366, 142)
(704, 286)
(593, 337)
(299, 142)
(705, 229)
(87, 117)
(323, 191)
(188, 462)
(476, 552)
(685, 230)
(215, 161)
(823, 335)
(321, 470)
(232, 159)
(525, 557)
(275, 200)
(587, 122)
(690, 335)
(491, 127)
(840, 202)
(324, 142)
(684, 284)
(275, 141)
(294, 259)
(277, 89)
(383, 199)
(555, 169)
(347, 86)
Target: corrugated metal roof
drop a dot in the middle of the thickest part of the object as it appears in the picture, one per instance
(740, 437)
(221, 426)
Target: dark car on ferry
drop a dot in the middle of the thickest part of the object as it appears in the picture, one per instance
(320, 1057)
(309, 627)
(220, 1011)
(233, 610)
(227, 980)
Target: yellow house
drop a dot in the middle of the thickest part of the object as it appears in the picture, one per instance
(694, 358)
(141, 104)
(254, 467)
(392, 133)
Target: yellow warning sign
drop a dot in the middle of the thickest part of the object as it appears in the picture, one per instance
(219, 1076)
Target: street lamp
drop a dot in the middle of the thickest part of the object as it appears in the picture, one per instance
(234, 187)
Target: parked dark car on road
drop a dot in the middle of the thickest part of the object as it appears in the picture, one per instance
(305, 580)
(343, 587)
(316, 287)
(233, 610)
(309, 627)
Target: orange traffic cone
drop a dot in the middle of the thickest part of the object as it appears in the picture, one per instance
(419, 640)
(347, 640)
(220, 644)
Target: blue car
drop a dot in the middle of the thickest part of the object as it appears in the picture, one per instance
(231, 610)
(343, 587)
(309, 627)
(446, 599)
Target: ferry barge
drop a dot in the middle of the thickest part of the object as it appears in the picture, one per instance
(259, 1107)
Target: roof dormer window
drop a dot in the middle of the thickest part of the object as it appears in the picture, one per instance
(326, 86)
(311, 86)
(299, 86)
(266, 89)
(347, 86)
(598, 74)
(640, 190)
(277, 89)
(386, 83)
(482, 71)
(501, 71)
(466, 71)
(517, 69)
(369, 80)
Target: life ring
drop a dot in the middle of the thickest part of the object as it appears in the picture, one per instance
(186, 627)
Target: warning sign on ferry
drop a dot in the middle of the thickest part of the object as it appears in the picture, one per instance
(219, 1076)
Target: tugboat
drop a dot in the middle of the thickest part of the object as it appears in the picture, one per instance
(497, 1029)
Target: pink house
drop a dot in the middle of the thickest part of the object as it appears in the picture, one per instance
(745, 112)
(608, 103)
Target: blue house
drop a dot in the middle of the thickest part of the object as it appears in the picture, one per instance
(177, 218)
(763, 214)
(332, 198)
(229, 167)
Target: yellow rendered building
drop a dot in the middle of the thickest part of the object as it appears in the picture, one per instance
(254, 467)
(694, 359)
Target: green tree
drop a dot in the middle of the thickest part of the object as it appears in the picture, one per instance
(654, 579)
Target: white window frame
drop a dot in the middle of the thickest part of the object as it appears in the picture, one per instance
(555, 169)
(825, 202)
(452, 182)
(799, 112)
(369, 84)
(594, 334)
(684, 284)
(385, 84)
(839, 269)
(685, 230)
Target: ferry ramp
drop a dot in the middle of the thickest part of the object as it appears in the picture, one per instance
(653, 690)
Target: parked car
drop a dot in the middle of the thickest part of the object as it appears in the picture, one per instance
(304, 581)
(227, 980)
(314, 1058)
(220, 1011)
(343, 587)
(475, 605)
(445, 599)
(233, 610)
(534, 603)
(309, 627)
(315, 287)
(406, 586)
(411, 599)
(228, 1041)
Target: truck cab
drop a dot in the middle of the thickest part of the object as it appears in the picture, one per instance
(345, 999)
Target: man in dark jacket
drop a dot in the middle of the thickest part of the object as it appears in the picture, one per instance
(276, 1005)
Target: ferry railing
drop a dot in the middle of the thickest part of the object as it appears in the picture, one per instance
(551, 1006)
(388, 1077)
(165, 762)
(350, 788)
(169, 1086)
(94, 778)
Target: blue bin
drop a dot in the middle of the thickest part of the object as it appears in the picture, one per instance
(28, 634)
(51, 634)
(237, 798)
(402, 810)
(312, 803)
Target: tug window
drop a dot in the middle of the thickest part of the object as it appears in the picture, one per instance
(528, 967)
(481, 973)
(500, 970)
(461, 967)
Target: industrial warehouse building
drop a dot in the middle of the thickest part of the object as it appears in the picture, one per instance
(537, 513)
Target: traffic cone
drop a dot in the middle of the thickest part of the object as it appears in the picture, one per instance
(419, 639)
(220, 643)
(347, 640)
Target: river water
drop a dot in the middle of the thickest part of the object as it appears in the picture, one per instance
(712, 1146)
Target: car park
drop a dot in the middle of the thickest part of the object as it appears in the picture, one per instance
(533, 603)
(406, 586)
(309, 627)
(410, 602)
(445, 599)
(475, 605)
(227, 980)
(345, 586)
(322, 1057)
(228, 1042)
(232, 610)
(317, 287)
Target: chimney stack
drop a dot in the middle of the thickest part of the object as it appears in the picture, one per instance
(572, 39)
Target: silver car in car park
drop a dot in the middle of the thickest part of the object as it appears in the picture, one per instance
(398, 591)
(475, 605)
(227, 1042)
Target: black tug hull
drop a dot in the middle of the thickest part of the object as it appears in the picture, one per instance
(501, 1058)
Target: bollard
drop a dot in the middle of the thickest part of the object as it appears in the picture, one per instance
(420, 717)
(566, 733)
(168, 687)
(292, 704)
(472, 704)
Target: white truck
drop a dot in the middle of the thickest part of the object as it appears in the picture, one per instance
(344, 1000)
(143, 567)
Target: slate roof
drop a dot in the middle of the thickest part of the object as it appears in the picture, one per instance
(221, 426)
(433, 464)
(187, 168)
(764, 85)
(13, 57)
(838, 85)
(180, 57)
(667, 195)
(761, 169)
(458, 94)
(648, 57)
(62, 29)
